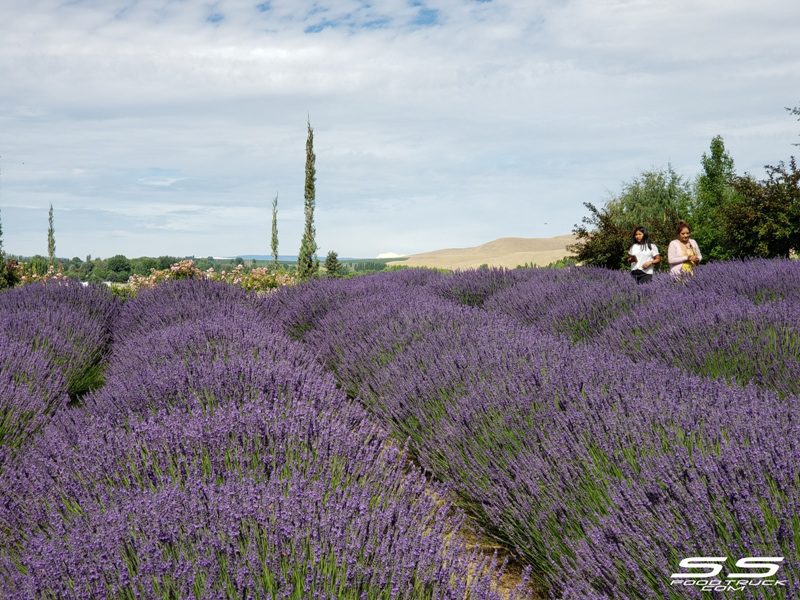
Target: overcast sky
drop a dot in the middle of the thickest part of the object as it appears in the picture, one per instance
(167, 126)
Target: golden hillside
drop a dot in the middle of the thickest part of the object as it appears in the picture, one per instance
(504, 252)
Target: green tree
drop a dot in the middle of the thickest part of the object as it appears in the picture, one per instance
(765, 220)
(99, 271)
(715, 194)
(165, 262)
(274, 241)
(119, 268)
(2, 253)
(51, 239)
(656, 200)
(332, 265)
(307, 263)
(142, 265)
(39, 264)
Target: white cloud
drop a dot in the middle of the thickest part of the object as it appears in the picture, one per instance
(489, 121)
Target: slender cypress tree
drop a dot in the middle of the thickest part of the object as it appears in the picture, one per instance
(3, 283)
(307, 263)
(51, 239)
(4, 279)
(275, 230)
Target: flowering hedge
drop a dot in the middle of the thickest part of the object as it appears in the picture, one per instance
(259, 279)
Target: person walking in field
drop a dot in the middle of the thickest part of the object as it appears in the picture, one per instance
(683, 253)
(642, 256)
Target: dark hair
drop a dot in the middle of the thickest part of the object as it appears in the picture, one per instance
(681, 226)
(645, 237)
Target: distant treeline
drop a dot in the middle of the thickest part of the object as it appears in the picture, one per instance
(119, 268)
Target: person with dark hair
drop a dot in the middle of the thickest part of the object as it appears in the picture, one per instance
(642, 256)
(683, 253)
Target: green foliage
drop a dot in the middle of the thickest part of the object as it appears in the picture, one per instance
(332, 265)
(601, 240)
(164, 262)
(656, 200)
(39, 264)
(274, 241)
(9, 272)
(90, 378)
(367, 266)
(51, 238)
(307, 263)
(715, 197)
(119, 268)
(563, 263)
(123, 292)
(765, 219)
(142, 266)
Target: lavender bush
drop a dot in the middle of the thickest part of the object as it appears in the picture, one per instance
(474, 287)
(575, 302)
(31, 390)
(53, 338)
(69, 323)
(176, 302)
(245, 501)
(760, 280)
(724, 337)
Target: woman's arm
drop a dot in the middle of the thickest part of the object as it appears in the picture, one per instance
(674, 254)
(697, 251)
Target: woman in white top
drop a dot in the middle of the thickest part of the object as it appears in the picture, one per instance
(684, 253)
(642, 256)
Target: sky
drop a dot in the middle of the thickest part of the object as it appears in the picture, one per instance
(166, 127)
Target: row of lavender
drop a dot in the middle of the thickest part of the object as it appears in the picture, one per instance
(594, 426)
(218, 461)
(736, 321)
(52, 344)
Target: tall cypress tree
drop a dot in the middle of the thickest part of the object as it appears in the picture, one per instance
(274, 244)
(2, 254)
(4, 278)
(51, 239)
(307, 263)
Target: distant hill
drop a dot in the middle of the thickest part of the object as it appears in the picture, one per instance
(504, 252)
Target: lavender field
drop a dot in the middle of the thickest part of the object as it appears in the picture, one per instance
(329, 440)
